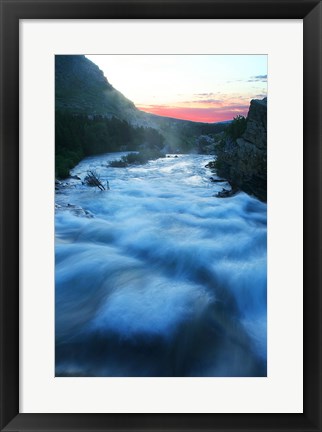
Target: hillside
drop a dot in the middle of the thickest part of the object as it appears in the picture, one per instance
(81, 88)
(93, 117)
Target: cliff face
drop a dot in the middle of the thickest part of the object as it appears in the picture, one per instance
(256, 129)
(243, 161)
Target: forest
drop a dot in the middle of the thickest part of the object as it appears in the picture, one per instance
(78, 136)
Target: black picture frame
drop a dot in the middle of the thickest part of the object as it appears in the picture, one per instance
(14, 10)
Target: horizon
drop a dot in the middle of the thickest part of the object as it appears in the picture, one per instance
(215, 88)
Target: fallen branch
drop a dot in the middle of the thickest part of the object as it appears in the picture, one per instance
(92, 179)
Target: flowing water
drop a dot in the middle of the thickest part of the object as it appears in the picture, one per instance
(156, 276)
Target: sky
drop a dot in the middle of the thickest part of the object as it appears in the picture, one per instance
(205, 88)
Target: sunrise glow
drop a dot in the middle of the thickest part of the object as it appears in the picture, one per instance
(204, 88)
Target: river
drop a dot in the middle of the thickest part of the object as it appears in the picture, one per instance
(159, 277)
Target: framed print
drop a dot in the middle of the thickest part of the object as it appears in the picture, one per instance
(160, 217)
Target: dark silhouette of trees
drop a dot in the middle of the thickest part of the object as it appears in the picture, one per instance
(77, 136)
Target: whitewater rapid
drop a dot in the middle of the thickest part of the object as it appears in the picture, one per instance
(156, 276)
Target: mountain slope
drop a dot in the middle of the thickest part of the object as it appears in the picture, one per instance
(93, 117)
(81, 88)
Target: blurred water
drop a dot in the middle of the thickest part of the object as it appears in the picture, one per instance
(164, 279)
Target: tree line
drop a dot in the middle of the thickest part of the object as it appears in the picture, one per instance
(78, 136)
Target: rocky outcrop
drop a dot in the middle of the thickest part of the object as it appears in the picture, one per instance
(256, 129)
(243, 160)
(253, 150)
(205, 144)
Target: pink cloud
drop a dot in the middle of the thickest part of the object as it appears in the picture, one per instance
(208, 114)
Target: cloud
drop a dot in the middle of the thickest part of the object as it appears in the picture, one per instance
(258, 78)
(229, 82)
(211, 101)
(205, 95)
(204, 102)
(260, 96)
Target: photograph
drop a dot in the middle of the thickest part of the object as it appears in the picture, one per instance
(161, 215)
(153, 275)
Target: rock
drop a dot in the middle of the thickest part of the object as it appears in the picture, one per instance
(216, 180)
(256, 129)
(210, 164)
(205, 144)
(74, 209)
(243, 160)
(224, 193)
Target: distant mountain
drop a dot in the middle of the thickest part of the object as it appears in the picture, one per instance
(82, 88)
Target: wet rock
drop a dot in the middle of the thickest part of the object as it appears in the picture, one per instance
(213, 180)
(74, 209)
(211, 165)
(226, 193)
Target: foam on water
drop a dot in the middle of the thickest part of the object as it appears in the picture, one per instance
(165, 279)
